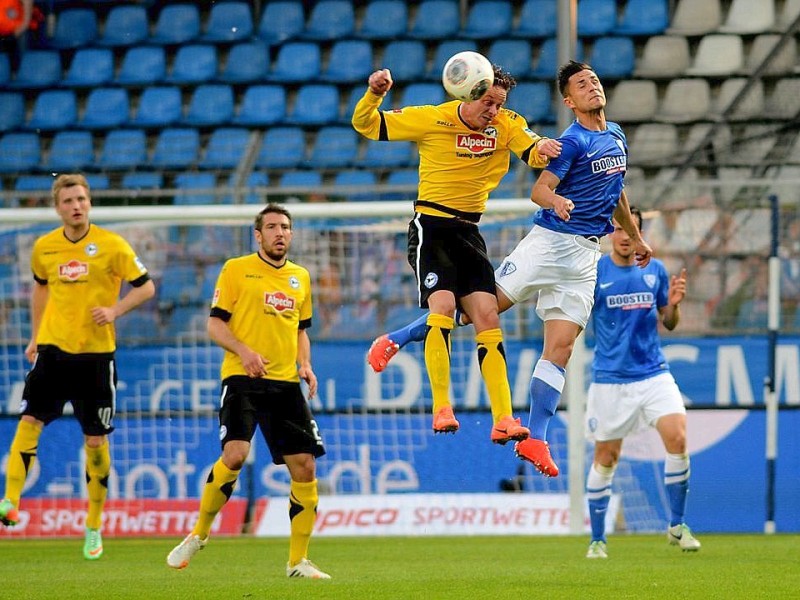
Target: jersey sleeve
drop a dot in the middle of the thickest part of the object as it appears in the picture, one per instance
(406, 124)
(37, 266)
(307, 308)
(224, 291)
(560, 166)
(662, 294)
(128, 266)
(522, 141)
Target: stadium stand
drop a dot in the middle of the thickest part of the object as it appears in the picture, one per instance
(176, 24)
(125, 25)
(281, 21)
(90, 67)
(142, 66)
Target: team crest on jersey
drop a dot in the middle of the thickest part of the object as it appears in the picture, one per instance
(621, 145)
(91, 249)
(223, 431)
(593, 424)
(73, 270)
(650, 280)
(139, 264)
(477, 143)
(490, 131)
(430, 280)
(507, 268)
(294, 282)
(215, 299)
(279, 301)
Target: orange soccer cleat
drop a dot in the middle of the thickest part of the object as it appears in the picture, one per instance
(444, 421)
(537, 452)
(381, 352)
(509, 429)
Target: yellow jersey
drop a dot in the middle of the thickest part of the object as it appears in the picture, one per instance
(458, 166)
(80, 276)
(264, 307)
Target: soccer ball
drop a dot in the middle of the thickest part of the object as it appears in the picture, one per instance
(467, 76)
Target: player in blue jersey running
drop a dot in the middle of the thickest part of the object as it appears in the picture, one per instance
(556, 262)
(631, 382)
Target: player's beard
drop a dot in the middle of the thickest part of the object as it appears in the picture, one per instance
(275, 255)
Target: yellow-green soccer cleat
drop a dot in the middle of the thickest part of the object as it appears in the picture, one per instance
(93, 544)
(9, 515)
(597, 549)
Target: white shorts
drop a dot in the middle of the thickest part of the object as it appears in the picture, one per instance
(559, 270)
(615, 410)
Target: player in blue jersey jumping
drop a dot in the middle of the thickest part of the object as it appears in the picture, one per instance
(631, 382)
(556, 262)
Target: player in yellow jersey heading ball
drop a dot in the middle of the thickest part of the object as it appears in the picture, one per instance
(464, 150)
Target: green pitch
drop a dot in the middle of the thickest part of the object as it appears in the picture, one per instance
(728, 566)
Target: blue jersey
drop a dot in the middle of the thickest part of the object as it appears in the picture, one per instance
(591, 169)
(625, 318)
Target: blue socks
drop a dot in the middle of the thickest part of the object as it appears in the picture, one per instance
(676, 480)
(413, 332)
(547, 384)
(598, 494)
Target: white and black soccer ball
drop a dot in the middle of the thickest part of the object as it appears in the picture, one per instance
(467, 76)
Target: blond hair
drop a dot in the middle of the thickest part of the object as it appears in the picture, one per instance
(69, 180)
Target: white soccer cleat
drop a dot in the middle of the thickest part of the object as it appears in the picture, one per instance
(681, 535)
(305, 568)
(182, 553)
(597, 549)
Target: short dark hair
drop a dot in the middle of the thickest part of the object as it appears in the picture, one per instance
(503, 79)
(566, 71)
(637, 216)
(272, 208)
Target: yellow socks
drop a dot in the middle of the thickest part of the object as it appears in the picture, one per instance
(98, 466)
(492, 360)
(20, 459)
(216, 492)
(303, 498)
(437, 358)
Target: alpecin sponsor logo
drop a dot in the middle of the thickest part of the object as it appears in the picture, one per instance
(279, 301)
(609, 164)
(475, 143)
(73, 270)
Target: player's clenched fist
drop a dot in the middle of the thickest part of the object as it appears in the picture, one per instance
(380, 82)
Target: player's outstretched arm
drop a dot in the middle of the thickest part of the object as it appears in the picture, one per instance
(622, 215)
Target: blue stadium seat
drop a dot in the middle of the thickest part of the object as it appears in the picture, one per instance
(643, 18)
(384, 20)
(176, 148)
(281, 21)
(513, 55)
(70, 151)
(330, 20)
(143, 65)
(533, 101)
(547, 63)
(229, 22)
(301, 179)
(296, 62)
(262, 105)
(443, 52)
(211, 104)
(350, 61)
(538, 19)
(334, 147)
(613, 57)
(355, 95)
(183, 320)
(125, 25)
(194, 63)
(488, 19)
(209, 277)
(405, 59)
(12, 110)
(38, 69)
(404, 177)
(386, 155)
(5, 69)
(106, 108)
(436, 20)
(176, 24)
(142, 181)
(282, 148)
(123, 149)
(246, 62)
(75, 28)
(200, 188)
(90, 67)
(314, 105)
(225, 148)
(596, 17)
(54, 109)
(98, 181)
(180, 285)
(19, 152)
(418, 94)
(34, 183)
(158, 107)
(137, 327)
(357, 178)
(245, 194)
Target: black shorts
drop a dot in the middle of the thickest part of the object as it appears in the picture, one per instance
(278, 407)
(448, 254)
(88, 381)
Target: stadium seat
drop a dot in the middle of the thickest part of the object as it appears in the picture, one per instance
(143, 66)
(350, 61)
(748, 108)
(330, 20)
(643, 18)
(70, 151)
(444, 50)
(315, 104)
(488, 19)
(123, 149)
(356, 178)
(176, 148)
(783, 103)
(749, 17)
(186, 320)
(664, 56)
(180, 285)
(717, 145)
(538, 19)
(282, 148)
(281, 21)
(547, 62)
(226, 148)
(38, 69)
(533, 100)
(54, 109)
(356, 94)
(308, 180)
(436, 20)
(90, 67)
(386, 155)
(405, 59)
(296, 62)
(75, 28)
(513, 55)
(334, 147)
(695, 18)
(402, 177)
(106, 108)
(262, 105)
(654, 144)
(12, 111)
(193, 64)
(246, 62)
(613, 57)
(5, 69)
(19, 152)
(245, 194)
(158, 107)
(596, 17)
(228, 22)
(789, 12)
(420, 94)
(684, 101)
(196, 188)
(782, 63)
(632, 101)
(125, 25)
(384, 20)
(210, 104)
(176, 24)
(142, 181)
(718, 55)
